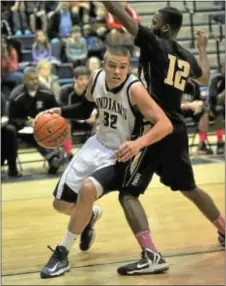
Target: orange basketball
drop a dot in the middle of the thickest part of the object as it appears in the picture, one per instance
(50, 130)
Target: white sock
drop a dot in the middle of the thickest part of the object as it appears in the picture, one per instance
(96, 210)
(69, 239)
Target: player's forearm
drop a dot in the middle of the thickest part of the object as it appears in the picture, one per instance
(160, 130)
(205, 66)
(73, 111)
(122, 16)
(186, 105)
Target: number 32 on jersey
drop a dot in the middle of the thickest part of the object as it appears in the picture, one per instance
(177, 78)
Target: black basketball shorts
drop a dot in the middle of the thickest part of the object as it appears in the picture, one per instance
(169, 159)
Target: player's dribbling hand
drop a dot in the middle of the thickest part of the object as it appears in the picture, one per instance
(127, 150)
(201, 38)
(56, 110)
(30, 121)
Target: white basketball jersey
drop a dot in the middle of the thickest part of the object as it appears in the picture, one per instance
(116, 115)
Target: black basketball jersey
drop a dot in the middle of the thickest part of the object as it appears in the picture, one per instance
(166, 66)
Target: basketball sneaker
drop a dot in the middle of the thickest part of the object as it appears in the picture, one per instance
(150, 263)
(203, 149)
(221, 239)
(58, 263)
(220, 148)
(88, 234)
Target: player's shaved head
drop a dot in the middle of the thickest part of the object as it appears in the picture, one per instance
(120, 51)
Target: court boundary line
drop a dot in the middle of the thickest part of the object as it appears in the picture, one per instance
(118, 262)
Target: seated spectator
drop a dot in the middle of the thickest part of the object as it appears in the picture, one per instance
(193, 106)
(217, 106)
(76, 47)
(98, 23)
(219, 17)
(26, 101)
(41, 48)
(81, 10)
(116, 37)
(9, 66)
(75, 94)
(47, 79)
(93, 64)
(6, 18)
(19, 17)
(36, 11)
(96, 47)
(51, 7)
(59, 29)
(9, 142)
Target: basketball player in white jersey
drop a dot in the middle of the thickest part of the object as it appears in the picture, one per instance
(122, 102)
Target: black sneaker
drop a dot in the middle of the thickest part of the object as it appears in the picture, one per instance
(204, 150)
(88, 234)
(58, 263)
(220, 148)
(221, 239)
(14, 174)
(150, 263)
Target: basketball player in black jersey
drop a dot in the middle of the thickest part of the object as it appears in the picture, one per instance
(166, 66)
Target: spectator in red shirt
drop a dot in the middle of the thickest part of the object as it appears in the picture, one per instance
(112, 23)
(9, 65)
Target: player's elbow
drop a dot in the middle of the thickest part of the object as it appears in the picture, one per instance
(204, 79)
(164, 124)
(168, 126)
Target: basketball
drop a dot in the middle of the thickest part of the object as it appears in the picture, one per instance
(50, 130)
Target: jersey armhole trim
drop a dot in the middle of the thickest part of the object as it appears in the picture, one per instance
(95, 81)
(127, 92)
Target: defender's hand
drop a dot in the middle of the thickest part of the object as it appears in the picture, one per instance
(128, 150)
(201, 39)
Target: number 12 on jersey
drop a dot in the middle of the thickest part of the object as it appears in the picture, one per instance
(177, 78)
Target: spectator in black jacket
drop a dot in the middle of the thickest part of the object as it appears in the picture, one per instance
(26, 101)
(6, 21)
(75, 94)
(9, 142)
(59, 28)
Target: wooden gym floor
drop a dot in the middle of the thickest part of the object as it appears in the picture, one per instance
(183, 235)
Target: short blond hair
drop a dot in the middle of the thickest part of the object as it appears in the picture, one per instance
(117, 50)
(43, 63)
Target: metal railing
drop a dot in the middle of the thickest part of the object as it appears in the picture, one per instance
(191, 15)
(215, 36)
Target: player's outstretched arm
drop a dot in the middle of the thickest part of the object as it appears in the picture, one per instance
(116, 9)
(202, 40)
(151, 112)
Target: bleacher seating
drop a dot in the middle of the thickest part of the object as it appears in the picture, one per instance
(146, 9)
(200, 20)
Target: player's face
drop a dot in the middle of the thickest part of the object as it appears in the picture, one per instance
(157, 26)
(82, 82)
(117, 69)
